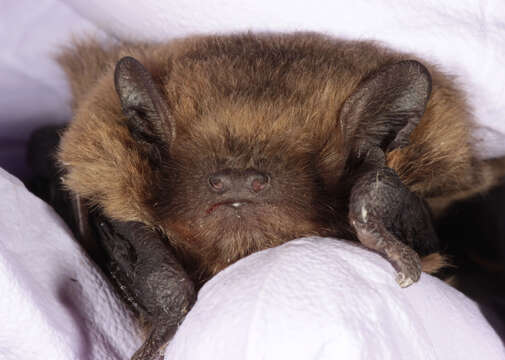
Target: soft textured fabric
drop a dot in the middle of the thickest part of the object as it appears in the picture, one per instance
(320, 298)
(309, 299)
(54, 303)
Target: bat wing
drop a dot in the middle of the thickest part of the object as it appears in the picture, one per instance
(135, 256)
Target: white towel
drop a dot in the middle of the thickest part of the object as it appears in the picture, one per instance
(324, 299)
(54, 304)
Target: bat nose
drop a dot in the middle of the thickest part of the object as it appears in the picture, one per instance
(229, 180)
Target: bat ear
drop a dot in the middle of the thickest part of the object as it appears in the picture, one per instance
(142, 102)
(386, 107)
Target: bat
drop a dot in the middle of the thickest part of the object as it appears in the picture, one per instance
(183, 157)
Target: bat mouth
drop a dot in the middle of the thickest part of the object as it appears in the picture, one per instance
(233, 203)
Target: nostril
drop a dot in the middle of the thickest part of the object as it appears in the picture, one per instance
(258, 182)
(257, 185)
(236, 181)
(216, 182)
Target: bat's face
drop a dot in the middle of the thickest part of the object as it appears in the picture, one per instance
(244, 167)
(231, 191)
(237, 173)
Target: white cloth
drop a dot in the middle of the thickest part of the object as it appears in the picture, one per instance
(54, 304)
(324, 299)
(309, 299)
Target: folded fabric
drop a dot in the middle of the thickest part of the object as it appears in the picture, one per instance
(54, 303)
(320, 298)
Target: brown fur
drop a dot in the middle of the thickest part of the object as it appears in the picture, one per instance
(239, 101)
(432, 263)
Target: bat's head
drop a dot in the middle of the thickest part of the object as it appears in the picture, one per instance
(236, 177)
(228, 162)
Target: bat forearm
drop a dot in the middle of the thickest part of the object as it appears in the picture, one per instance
(390, 219)
(149, 276)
